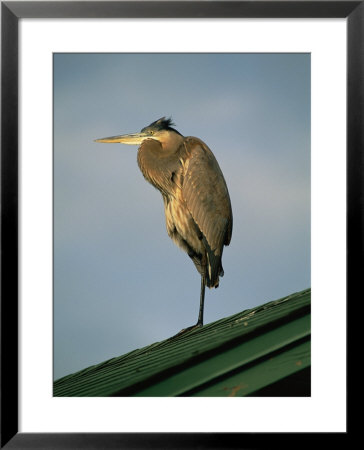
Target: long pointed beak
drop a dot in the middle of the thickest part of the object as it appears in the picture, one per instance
(131, 139)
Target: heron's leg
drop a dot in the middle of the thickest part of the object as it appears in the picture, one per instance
(200, 313)
(202, 302)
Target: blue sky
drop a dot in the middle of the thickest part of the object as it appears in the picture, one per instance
(119, 281)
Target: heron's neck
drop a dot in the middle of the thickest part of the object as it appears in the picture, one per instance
(170, 142)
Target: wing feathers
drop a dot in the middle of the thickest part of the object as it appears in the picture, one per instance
(207, 198)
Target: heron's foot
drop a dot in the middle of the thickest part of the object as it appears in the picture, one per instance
(186, 330)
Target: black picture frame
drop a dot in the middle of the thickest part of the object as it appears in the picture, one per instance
(11, 12)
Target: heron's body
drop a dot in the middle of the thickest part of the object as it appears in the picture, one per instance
(196, 199)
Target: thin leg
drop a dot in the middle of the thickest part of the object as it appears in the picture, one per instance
(200, 314)
(202, 301)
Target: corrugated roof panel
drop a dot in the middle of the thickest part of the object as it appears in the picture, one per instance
(136, 371)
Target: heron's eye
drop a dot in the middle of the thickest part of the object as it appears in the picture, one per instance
(151, 132)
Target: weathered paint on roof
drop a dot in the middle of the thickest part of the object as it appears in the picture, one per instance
(236, 355)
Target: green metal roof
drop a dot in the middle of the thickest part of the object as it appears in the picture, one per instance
(235, 356)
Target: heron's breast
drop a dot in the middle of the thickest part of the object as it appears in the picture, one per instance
(179, 221)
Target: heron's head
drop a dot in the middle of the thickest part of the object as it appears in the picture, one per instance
(161, 130)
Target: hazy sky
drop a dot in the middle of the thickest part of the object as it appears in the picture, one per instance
(119, 281)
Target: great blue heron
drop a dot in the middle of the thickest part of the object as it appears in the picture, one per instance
(196, 199)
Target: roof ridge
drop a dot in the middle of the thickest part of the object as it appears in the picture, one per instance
(204, 336)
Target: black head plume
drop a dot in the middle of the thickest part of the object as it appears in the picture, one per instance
(161, 124)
